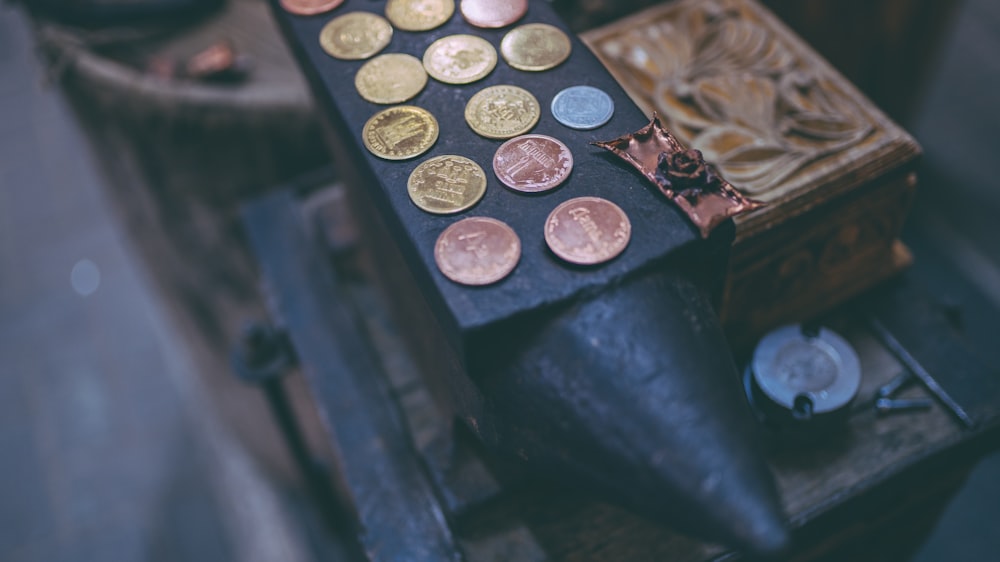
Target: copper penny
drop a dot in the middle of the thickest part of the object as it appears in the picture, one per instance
(587, 230)
(532, 163)
(477, 251)
(493, 13)
(309, 7)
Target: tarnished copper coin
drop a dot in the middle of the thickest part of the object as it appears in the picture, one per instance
(532, 163)
(446, 184)
(477, 251)
(535, 47)
(355, 36)
(493, 13)
(391, 78)
(419, 15)
(400, 132)
(309, 7)
(587, 230)
(502, 112)
(460, 59)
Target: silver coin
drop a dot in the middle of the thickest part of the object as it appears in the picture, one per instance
(582, 107)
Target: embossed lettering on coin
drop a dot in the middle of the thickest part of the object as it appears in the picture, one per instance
(446, 184)
(477, 251)
(502, 112)
(391, 78)
(493, 13)
(355, 36)
(535, 46)
(587, 230)
(582, 107)
(532, 163)
(400, 132)
(460, 59)
(309, 7)
(419, 15)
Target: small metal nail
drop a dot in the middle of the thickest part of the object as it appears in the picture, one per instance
(890, 406)
(893, 386)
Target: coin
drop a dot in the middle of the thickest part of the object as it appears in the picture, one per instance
(400, 132)
(446, 184)
(502, 112)
(419, 15)
(582, 107)
(391, 78)
(535, 47)
(492, 13)
(587, 230)
(460, 59)
(532, 163)
(309, 7)
(355, 36)
(477, 251)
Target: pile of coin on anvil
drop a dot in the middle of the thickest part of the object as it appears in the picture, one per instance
(476, 250)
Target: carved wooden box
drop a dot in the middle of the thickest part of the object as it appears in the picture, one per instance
(731, 80)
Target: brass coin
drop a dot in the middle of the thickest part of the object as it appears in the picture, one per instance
(391, 78)
(493, 13)
(502, 112)
(309, 7)
(355, 36)
(460, 59)
(446, 184)
(587, 230)
(400, 132)
(535, 47)
(477, 251)
(532, 163)
(419, 15)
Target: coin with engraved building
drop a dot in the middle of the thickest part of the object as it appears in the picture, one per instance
(532, 163)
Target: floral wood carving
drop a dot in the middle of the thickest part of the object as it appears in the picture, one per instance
(734, 89)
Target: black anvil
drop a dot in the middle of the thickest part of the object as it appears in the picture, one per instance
(616, 377)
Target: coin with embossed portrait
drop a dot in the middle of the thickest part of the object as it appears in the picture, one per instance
(446, 184)
(419, 15)
(355, 36)
(391, 78)
(502, 112)
(587, 230)
(493, 13)
(532, 163)
(477, 251)
(400, 132)
(535, 47)
(309, 7)
(460, 59)
(582, 107)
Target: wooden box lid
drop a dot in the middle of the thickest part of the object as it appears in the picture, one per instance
(733, 81)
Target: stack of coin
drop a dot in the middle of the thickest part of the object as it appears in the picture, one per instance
(477, 250)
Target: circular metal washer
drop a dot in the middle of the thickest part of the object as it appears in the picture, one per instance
(790, 366)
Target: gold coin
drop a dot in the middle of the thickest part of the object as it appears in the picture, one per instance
(419, 15)
(355, 36)
(446, 184)
(535, 46)
(502, 112)
(391, 78)
(400, 132)
(460, 59)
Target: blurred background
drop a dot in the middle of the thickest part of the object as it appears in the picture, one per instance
(124, 279)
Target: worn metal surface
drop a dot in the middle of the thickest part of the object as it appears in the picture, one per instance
(382, 483)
